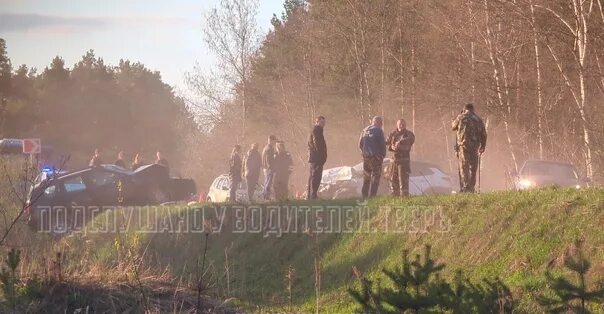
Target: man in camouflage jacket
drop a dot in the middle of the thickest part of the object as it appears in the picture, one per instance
(471, 143)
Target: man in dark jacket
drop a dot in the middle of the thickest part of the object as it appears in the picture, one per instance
(283, 164)
(235, 172)
(373, 148)
(399, 142)
(317, 155)
(120, 160)
(251, 169)
(268, 158)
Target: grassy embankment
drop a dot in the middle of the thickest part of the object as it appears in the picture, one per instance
(515, 236)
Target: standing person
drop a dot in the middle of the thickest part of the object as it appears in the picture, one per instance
(373, 148)
(137, 163)
(120, 160)
(471, 143)
(235, 172)
(268, 157)
(317, 156)
(96, 159)
(399, 142)
(251, 169)
(282, 170)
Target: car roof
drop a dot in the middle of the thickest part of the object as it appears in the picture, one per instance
(108, 167)
(556, 162)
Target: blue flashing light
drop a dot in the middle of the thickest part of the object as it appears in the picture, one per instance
(48, 169)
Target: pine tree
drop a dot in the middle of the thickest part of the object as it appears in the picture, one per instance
(571, 296)
(419, 288)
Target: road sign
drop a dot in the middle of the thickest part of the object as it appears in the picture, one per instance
(32, 146)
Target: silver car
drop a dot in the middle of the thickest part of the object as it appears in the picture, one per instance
(542, 173)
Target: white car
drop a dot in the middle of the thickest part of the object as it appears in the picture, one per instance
(346, 182)
(220, 190)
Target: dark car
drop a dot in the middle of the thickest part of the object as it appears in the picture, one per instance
(543, 173)
(53, 198)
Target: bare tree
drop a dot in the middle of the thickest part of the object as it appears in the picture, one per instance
(577, 25)
(232, 35)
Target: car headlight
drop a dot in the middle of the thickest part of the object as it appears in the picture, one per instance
(526, 183)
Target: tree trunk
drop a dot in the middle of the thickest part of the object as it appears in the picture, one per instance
(540, 111)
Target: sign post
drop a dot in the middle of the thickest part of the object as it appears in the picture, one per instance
(32, 146)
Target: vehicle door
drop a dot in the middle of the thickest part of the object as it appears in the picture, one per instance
(76, 193)
(106, 188)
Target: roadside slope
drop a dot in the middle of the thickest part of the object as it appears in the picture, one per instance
(516, 236)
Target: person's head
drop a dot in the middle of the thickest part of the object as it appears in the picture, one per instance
(468, 107)
(320, 121)
(377, 121)
(280, 147)
(254, 146)
(272, 139)
(120, 155)
(401, 124)
(236, 149)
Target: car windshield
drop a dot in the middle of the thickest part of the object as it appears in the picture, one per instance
(549, 170)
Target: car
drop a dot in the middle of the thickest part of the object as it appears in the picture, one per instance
(100, 186)
(219, 191)
(346, 182)
(544, 173)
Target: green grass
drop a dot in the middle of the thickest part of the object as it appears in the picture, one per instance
(511, 235)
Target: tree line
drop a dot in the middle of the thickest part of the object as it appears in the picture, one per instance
(533, 69)
(92, 105)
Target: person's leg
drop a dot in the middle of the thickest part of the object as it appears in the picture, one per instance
(268, 184)
(310, 181)
(473, 169)
(403, 173)
(376, 174)
(250, 188)
(233, 190)
(277, 186)
(464, 157)
(280, 189)
(316, 179)
(366, 177)
(394, 182)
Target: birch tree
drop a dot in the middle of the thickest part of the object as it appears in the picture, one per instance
(231, 33)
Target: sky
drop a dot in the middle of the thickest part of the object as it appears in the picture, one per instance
(165, 35)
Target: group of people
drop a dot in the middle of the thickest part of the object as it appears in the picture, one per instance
(138, 161)
(471, 138)
(276, 162)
